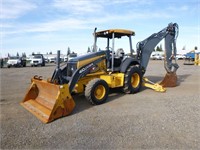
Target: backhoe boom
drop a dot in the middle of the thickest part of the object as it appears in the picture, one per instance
(146, 47)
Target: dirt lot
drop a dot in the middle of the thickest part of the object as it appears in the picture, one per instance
(146, 120)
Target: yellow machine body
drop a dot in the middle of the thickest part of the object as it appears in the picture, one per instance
(113, 80)
(93, 73)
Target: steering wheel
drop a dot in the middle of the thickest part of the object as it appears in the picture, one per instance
(110, 50)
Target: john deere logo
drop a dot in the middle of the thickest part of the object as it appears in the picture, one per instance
(85, 68)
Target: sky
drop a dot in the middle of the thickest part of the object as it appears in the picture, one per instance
(44, 26)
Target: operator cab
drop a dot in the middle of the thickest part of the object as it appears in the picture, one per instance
(116, 56)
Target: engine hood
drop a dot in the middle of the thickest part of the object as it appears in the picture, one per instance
(13, 61)
(38, 59)
(87, 56)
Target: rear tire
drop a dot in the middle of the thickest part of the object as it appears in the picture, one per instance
(132, 80)
(96, 91)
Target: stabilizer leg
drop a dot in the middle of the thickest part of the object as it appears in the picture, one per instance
(155, 86)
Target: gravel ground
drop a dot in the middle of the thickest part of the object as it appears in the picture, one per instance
(146, 120)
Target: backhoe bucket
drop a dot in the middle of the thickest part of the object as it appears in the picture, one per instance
(170, 80)
(48, 101)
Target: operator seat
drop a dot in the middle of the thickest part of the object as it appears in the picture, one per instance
(118, 57)
(119, 53)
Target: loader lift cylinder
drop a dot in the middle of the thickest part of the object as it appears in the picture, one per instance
(56, 77)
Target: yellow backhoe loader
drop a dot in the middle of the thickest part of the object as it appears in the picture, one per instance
(94, 74)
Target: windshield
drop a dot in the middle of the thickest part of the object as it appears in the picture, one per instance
(14, 57)
(37, 56)
(73, 55)
(118, 43)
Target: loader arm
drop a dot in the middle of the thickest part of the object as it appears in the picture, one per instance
(146, 47)
(82, 72)
(59, 76)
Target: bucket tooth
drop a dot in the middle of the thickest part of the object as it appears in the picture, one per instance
(48, 101)
(170, 80)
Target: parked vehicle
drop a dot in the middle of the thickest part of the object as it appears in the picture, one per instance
(37, 60)
(2, 62)
(70, 56)
(46, 60)
(190, 56)
(65, 59)
(52, 60)
(179, 56)
(157, 57)
(16, 61)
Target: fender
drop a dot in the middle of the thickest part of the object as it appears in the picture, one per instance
(126, 63)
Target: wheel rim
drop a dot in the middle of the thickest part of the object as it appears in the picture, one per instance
(99, 92)
(135, 80)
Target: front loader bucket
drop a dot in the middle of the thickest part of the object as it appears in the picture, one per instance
(170, 80)
(48, 101)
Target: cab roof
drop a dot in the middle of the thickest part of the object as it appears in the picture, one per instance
(118, 33)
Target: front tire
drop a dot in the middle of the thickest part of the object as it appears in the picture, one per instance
(132, 80)
(96, 91)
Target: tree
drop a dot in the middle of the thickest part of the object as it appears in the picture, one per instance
(24, 54)
(50, 52)
(157, 48)
(17, 54)
(195, 48)
(88, 51)
(183, 47)
(33, 53)
(161, 48)
(8, 55)
(68, 51)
